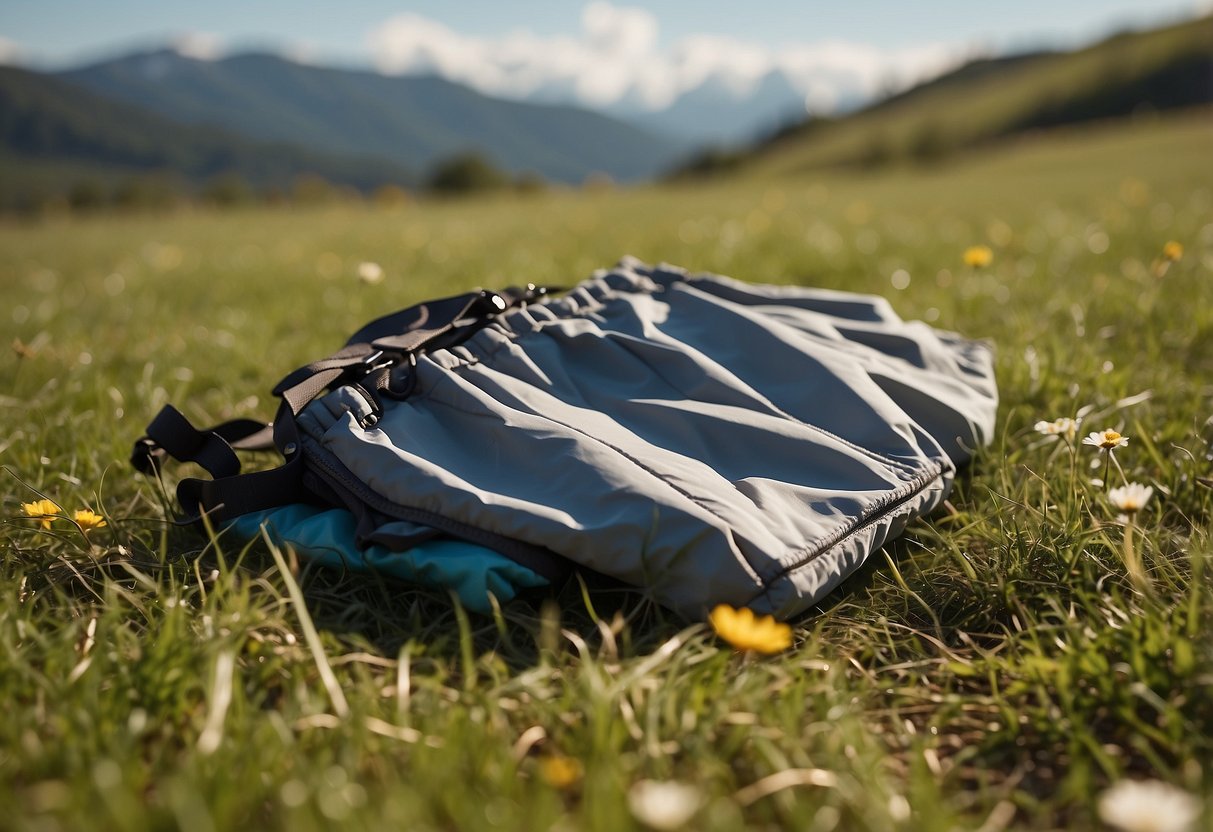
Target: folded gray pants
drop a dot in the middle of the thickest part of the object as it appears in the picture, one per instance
(706, 440)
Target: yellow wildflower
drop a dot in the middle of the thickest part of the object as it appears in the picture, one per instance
(42, 510)
(560, 772)
(978, 257)
(88, 519)
(746, 631)
(1172, 251)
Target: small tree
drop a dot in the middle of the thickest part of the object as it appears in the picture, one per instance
(929, 144)
(227, 189)
(466, 173)
(876, 152)
(150, 191)
(86, 195)
(710, 161)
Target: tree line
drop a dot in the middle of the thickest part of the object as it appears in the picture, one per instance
(462, 174)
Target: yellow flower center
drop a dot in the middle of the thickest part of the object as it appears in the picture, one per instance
(560, 772)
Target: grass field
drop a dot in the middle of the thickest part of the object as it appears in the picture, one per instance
(998, 667)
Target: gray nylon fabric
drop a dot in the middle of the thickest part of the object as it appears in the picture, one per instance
(707, 440)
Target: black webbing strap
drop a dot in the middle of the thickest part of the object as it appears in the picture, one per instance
(385, 340)
(377, 345)
(310, 380)
(412, 328)
(224, 498)
(434, 317)
(171, 434)
(388, 339)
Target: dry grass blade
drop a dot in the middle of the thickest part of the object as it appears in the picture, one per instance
(786, 779)
(220, 699)
(336, 695)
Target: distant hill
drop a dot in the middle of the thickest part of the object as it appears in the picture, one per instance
(54, 134)
(987, 100)
(412, 121)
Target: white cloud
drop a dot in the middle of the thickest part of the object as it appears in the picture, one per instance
(619, 30)
(617, 57)
(303, 53)
(201, 46)
(829, 71)
(11, 53)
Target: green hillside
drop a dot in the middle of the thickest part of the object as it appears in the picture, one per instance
(1125, 75)
(1000, 667)
(54, 135)
(414, 121)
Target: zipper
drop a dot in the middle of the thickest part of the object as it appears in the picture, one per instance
(874, 514)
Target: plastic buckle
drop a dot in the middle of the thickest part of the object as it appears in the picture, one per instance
(376, 361)
(147, 456)
(494, 302)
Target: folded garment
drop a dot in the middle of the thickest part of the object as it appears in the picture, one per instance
(705, 440)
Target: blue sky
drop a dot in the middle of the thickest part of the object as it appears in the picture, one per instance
(598, 53)
(62, 31)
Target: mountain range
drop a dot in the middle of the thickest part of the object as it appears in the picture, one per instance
(268, 121)
(718, 113)
(53, 132)
(173, 123)
(411, 121)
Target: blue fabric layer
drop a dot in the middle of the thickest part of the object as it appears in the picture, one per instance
(327, 536)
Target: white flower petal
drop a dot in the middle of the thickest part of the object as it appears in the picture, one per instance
(1106, 439)
(1064, 426)
(370, 272)
(1148, 806)
(664, 805)
(1131, 496)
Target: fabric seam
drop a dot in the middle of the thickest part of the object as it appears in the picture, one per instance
(891, 503)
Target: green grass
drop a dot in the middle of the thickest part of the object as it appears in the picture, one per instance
(995, 668)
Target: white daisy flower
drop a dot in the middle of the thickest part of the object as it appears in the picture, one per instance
(1106, 439)
(1065, 426)
(1148, 806)
(1131, 498)
(369, 272)
(664, 805)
